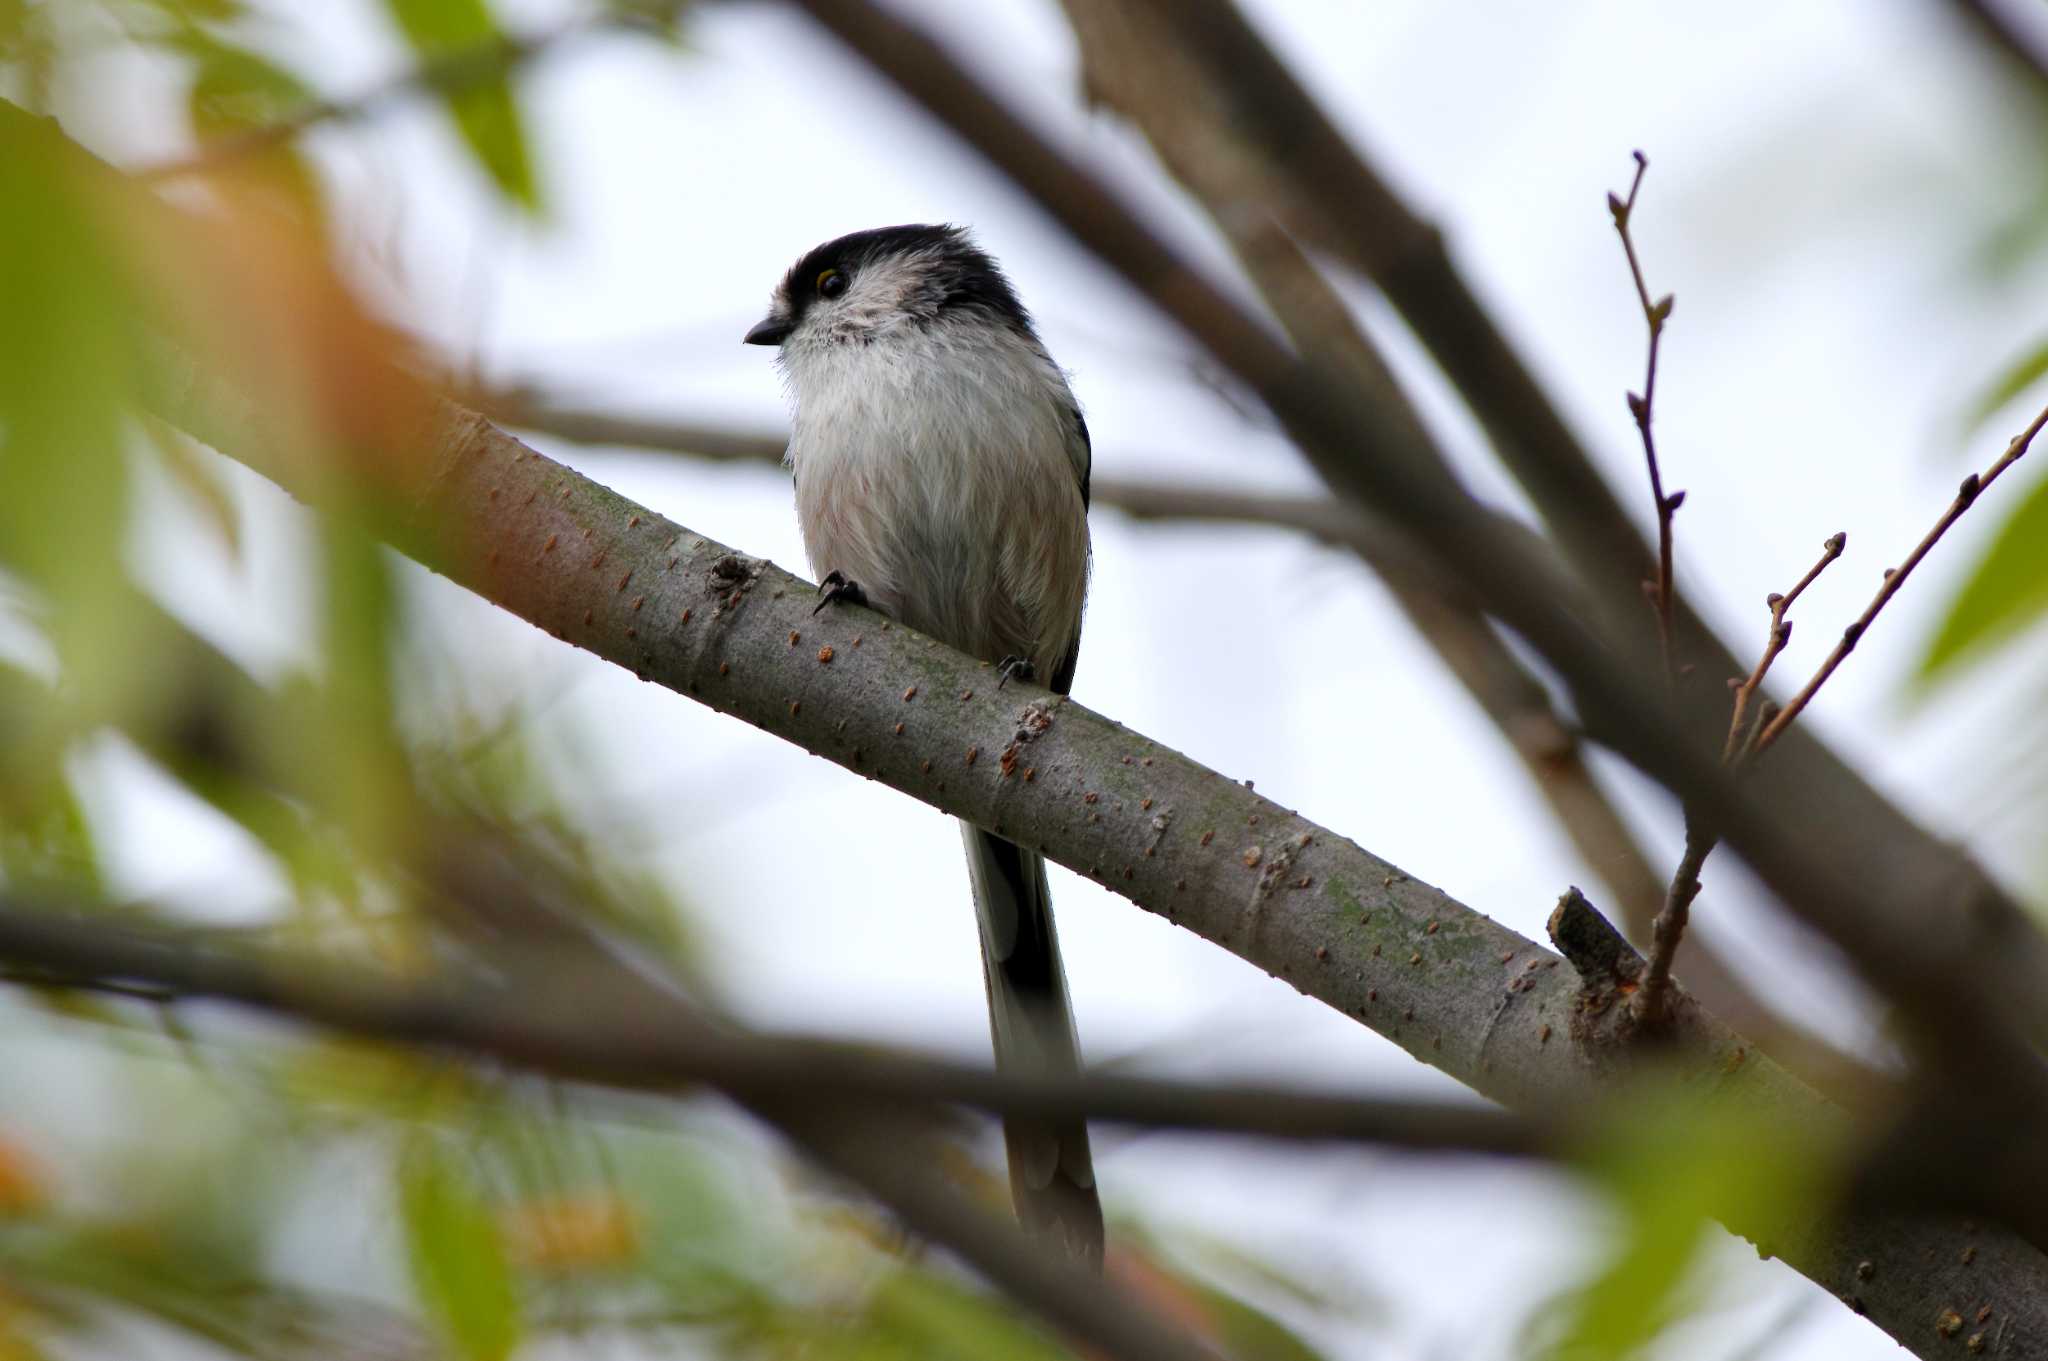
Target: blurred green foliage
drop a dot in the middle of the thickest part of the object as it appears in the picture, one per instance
(286, 1195)
(483, 107)
(167, 1170)
(456, 1255)
(1997, 611)
(1678, 1165)
(2004, 595)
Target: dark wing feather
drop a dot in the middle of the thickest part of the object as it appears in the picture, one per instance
(1087, 454)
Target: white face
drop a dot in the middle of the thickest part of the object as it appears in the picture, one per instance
(864, 302)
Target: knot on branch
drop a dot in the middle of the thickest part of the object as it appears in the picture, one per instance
(1032, 723)
(1589, 942)
(1604, 1027)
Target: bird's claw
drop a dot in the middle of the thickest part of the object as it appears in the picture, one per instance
(835, 586)
(1014, 667)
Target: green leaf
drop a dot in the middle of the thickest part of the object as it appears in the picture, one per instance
(2007, 591)
(218, 11)
(366, 780)
(1247, 1330)
(915, 1314)
(664, 19)
(1680, 1162)
(13, 28)
(457, 1260)
(69, 364)
(2022, 373)
(479, 99)
(235, 88)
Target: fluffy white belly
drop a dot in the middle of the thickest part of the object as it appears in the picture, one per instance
(951, 494)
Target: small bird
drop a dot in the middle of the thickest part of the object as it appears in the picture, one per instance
(941, 468)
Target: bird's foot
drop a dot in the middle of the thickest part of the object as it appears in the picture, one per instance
(835, 586)
(1014, 667)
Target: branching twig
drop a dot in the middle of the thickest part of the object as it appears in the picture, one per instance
(1642, 405)
(1966, 496)
(1652, 1001)
(1781, 633)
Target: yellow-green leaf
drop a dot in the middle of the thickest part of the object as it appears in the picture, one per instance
(68, 380)
(479, 99)
(2007, 591)
(235, 88)
(457, 1260)
(1679, 1163)
(914, 1314)
(2022, 373)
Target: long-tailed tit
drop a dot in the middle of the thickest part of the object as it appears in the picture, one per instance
(942, 476)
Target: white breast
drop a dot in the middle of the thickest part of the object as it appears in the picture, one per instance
(940, 469)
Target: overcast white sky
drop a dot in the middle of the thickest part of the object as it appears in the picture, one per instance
(1818, 172)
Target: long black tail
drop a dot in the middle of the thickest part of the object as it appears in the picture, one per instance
(1052, 1178)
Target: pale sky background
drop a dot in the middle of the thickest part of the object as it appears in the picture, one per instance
(1819, 174)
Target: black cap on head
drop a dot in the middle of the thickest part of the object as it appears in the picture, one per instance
(959, 275)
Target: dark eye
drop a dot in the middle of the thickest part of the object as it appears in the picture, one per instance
(830, 283)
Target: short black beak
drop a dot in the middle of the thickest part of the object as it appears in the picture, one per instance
(768, 331)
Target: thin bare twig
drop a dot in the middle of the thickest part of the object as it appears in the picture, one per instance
(1965, 497)
(1642, 405)
(1781, 633)
(1652, 1001)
